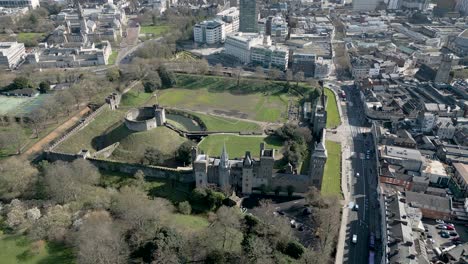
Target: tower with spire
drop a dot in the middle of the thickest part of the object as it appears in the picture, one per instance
(317, 163)
(224, 169)
(247, 173)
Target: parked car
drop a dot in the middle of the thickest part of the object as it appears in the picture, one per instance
(456, 239)
(453, 233)
(450, 224)
(444, 234)
(429, 236)
(441, 227)
(357, 174)
(450, 227)
(356, 207)
(354, 240)
(440, 221)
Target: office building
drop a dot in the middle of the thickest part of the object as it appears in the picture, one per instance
(11, 54)
(240, 45)
(248, 16)
(209, 32)
(230, 17)
(19, 3)
(443, 73)
(269, 56)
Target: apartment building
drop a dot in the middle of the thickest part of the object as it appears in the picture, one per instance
(209, 32)
(240, 45)
(20, 3)
(270, 56)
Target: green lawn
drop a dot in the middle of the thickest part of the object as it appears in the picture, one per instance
(252, 99)
(188, 222)
(112, 57)
(133, 144)
(333, 116)
(154, 30)
(237, 145)
(83, 139)
(30, 39)
(135, 98)
(18, 249)
(216, 123)
(331, 184)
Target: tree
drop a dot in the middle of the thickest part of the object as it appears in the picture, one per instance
(53, 226)
(113, 74)
(290, 189)
(66, 101)
(38, 118)
(289, 76)
(202, 66)
(294, 249)
(184, 152)
(17, 177)
(21, 83)
(44, 87)
(152, 82)
(185, 208)
(168, 78)
(67, 182)
(278, 190)
(274, 74)
(225, 227)
(100, 241)
(153, 156)
(13, 138)
(328, 219)
(218, 69)
(299, 77)
(259, 72)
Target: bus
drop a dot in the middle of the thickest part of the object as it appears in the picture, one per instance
(371, 241)
(371, 257)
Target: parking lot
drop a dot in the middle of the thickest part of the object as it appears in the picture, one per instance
(436, 240)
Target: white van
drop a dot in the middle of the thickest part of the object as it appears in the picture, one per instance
(354, 239)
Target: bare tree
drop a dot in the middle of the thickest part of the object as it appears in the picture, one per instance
(299, 77)
(224, 228)
(38, 118)
(100, 241)
(13, 138)
(328, 219)
(259, 72)
(218, 69)
(289, 76)
(274, 74)
(17, 177)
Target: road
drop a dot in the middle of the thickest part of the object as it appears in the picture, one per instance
(356, 140)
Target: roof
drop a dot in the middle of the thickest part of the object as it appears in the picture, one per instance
(403, 153)
(427, 201)
(462, 169)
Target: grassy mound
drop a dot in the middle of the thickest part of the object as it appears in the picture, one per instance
(333, 116)
(331, 176)
(133, 144)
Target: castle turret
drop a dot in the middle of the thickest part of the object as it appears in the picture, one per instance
(317, 163)
(224, 169)
(247, 173)
(267, 160)
(200, 170)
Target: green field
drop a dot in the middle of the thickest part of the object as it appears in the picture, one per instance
(333, 116)
(188, 222)
(18, 249)
(133, 144)
(134, 98)
(256, 100)
(236, 146)
(30, 37)
(154, 30)
(331, 184)
(83, 139)
(112, 57)
(216, 123)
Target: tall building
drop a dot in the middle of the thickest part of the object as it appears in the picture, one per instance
(11, 54)
(248, 16)
(444, 6)
(270, 56)
(230, 17)
(365, 5)
(240, 45)
(443, 73)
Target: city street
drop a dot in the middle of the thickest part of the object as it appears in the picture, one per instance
(356, 142)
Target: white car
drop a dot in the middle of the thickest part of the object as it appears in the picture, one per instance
(354, 239)
(357, 174)
(440, 221)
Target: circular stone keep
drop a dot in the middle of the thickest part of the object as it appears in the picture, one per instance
(145, 118)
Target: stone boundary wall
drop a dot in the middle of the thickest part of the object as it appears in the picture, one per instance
(79, 126)
(181, 175)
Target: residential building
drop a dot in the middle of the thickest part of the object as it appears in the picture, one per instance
(248, 16)
(230, 17)
(460, 44)
(415, 4)
(209, 32)
(462, 7)
(365, 5)
(394, 4)
(11, 53)
(444, 128)
(461, 136)
(270, 56)
(460, 177)
(278, 28)
(20, 3)
(431, 206)
(427, 121)
(444, 6)
(240, 44)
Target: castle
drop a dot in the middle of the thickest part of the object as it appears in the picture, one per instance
(247, 174)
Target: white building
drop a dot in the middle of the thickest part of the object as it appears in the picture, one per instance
(230, 17)
(279, 28)
(393, 4)
(240, 45)
(209, 32)
(269, 56)
(19, 3)
(365, 5)
(158, 5)
(427, 121)
(435, 171)
(11, 54)
(444, 128)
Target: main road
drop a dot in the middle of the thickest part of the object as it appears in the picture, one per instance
(360, 170)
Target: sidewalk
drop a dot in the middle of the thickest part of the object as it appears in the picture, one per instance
(59, 131)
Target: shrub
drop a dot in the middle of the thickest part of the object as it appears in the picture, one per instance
(185, 208)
